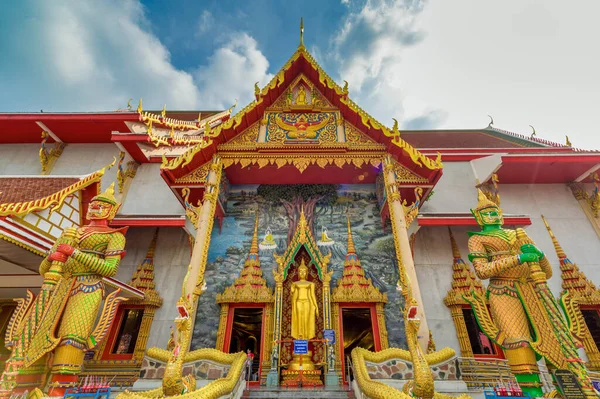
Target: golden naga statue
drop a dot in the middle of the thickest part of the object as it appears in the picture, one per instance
(79, 260)
(304, 305)
(520, 301)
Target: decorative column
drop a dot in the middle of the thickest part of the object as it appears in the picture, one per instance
(406, 266)
(581, 292)
(464, 282)
(273, 376)
(194, 279)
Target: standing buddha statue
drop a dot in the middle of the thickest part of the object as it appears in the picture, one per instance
(69, 327)
(520, 300)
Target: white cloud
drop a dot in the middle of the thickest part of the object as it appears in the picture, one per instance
(205, 22)
(98, 63)
(369, 47)
(231, 72)
(447, 64)
(94, 56)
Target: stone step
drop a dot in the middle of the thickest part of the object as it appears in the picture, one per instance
(298, 393)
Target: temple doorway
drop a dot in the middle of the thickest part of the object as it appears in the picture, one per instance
(246, 334)
(357, 331)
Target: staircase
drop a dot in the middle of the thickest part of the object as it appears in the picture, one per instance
(299, 393)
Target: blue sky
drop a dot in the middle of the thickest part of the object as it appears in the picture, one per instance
(430, 64)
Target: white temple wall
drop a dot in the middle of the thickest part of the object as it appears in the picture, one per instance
(148, 194)
(455, 190)
(83, 159)
(20, 159)
(76, 160)
(569, 223)
(433, 262)
(171, 260)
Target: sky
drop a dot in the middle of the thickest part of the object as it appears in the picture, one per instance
(437, 64)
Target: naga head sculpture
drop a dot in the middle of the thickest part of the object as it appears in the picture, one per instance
(103, 206)
(487, 212)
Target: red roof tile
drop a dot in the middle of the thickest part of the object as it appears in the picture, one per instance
(23, 189)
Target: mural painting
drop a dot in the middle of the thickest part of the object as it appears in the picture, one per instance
(326, 208)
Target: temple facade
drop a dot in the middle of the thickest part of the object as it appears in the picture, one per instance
(297, 220)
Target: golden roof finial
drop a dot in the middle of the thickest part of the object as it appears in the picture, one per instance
(301, 33)
(455, 250)
(254, 245)
(163, 113)
(139, 108)
(568, 142)
(351, 247)
(559, 251)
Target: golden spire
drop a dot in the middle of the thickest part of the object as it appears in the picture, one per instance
(143, 277)
(463, 279)
(351, 248)
(250, 286)
(559, 251)
(301, 33)
(455, 251)
(254, 245)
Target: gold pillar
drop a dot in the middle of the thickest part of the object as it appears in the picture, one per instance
(406, 265)
(383, 334)
(194, 280)
(222, 327)
(461, 331)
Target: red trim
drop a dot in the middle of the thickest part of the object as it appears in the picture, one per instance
(374, 329)
(149, 222)
(469, 221)
(112, 336)
(7, 220)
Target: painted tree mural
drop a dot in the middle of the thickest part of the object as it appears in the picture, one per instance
(295, 197)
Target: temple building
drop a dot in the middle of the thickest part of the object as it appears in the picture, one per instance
(158, 251)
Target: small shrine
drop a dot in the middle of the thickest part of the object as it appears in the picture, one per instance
(247, 313)
(357, 310)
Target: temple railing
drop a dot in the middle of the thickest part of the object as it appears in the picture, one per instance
(483, 373)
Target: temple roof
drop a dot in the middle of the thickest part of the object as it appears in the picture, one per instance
(301, 62)
(24, 189)
(22, 195)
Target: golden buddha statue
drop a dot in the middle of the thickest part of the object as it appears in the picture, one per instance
(304, 305)
(304, 313)
(301, 96)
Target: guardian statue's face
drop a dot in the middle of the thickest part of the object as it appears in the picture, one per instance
(99, 210)
(491, 216)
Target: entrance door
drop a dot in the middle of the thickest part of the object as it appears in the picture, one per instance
(246, 334)
(357, 331)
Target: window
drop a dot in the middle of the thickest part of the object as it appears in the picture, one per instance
(592, 319)
(481, 345)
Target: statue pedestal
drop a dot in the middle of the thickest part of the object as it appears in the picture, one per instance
(332, 379)
(305, 378)
(301, 371)
(273, 378)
